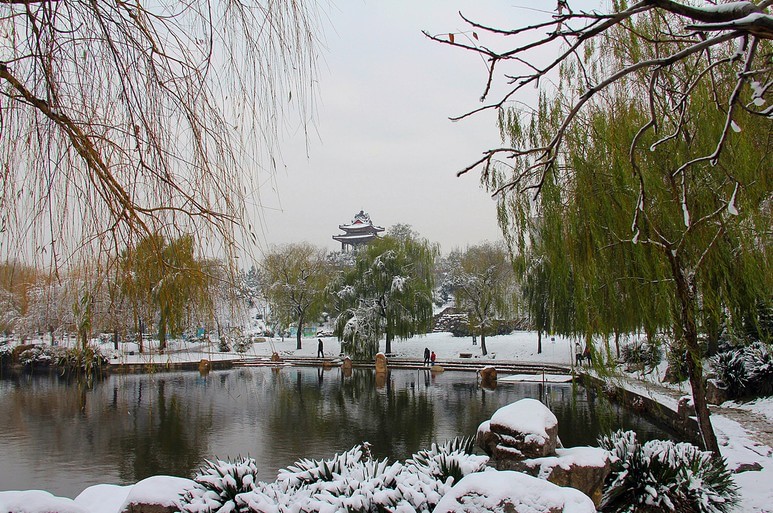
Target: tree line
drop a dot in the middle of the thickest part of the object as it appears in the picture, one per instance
(162, 288)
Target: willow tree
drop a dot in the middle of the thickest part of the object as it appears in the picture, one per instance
(119, 118)
(484, 286)
(163, 280)
(388, 292)
(296, 277)
(650, 185)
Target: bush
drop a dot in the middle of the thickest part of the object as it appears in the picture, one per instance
(352, 481)
(677, 365)
(218, 485)
(664, 476)
(745, 371)
(644, 355)
(36, 355)
(89, 360)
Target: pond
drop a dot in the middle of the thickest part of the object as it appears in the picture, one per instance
(62, 437)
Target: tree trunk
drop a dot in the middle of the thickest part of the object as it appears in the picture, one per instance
(685, 294)
(617, 345)
(388, 348)
(483, 341)
(162, 334)
(299, 333)
(539, 341)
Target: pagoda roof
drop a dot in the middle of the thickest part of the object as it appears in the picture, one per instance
(354, 238)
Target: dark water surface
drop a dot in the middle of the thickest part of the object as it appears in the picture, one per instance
(63, 437)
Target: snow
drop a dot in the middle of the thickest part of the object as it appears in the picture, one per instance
(162, 490)
(37, 501)
(492, 491)
(103, 498)
(526, 416)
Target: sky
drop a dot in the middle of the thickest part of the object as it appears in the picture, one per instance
(382, 140)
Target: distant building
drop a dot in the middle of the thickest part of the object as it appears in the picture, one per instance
(357, 233)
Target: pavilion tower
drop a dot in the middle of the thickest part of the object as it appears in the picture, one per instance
(357, 233)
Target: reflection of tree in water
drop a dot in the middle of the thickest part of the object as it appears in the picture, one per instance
(340, 412)
(167, 432)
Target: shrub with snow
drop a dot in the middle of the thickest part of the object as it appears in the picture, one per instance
(350, 482)
(663, 476)
(642, 355)
(745, 370)
(218, 484)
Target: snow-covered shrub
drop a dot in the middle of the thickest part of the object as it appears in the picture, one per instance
(644, 355)
(89, 360)
(663, 476)
(223, 346)
(242, 344)
(677, 364)
(37, 356)
(6, 354)
(730, 368)
(218, 484)
(351, 482)
(759, 365)
(451, 459)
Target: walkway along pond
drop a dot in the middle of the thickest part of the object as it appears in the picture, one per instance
(62, 437)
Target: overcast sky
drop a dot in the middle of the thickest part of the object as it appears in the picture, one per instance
(383, 140)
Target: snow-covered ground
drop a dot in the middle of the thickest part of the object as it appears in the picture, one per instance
(518, 346)
(739, 445)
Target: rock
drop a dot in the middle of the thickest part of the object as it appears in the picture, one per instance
(511, 492)
(526, 429)
(685, 408)
(347, 364)
(275, 357)
(437, 368)
(716, 392)
(486, 439)
(748, 467)
(37, 501)
(156, 494)
(205, 366)
(582, 468)
(381, 363)
(488, 377)
(103, 497)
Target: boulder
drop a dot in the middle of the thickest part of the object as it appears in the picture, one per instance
(526, 429)
(488, 377)
(156, 494)
(511, 492)
(37, 501)
(347, 364)
(716, 392)
(582, 468)
(205, 366)
(275, 357)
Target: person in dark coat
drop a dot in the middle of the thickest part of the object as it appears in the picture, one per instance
(320, 352)
(426, 356)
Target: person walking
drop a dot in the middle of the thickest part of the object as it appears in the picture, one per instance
(320, 347)
(426, 356)
(432, 358)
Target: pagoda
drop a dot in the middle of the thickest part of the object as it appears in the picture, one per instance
(357, 233)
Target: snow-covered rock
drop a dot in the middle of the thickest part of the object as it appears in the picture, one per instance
(509, 491)
(156, 494)
(520, 430)
(37, 501)
(103, 498)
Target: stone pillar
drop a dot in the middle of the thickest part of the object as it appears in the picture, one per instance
(381, 363)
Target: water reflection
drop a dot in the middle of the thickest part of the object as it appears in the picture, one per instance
(62, 437)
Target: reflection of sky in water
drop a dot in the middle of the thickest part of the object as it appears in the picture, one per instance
(63, 438)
